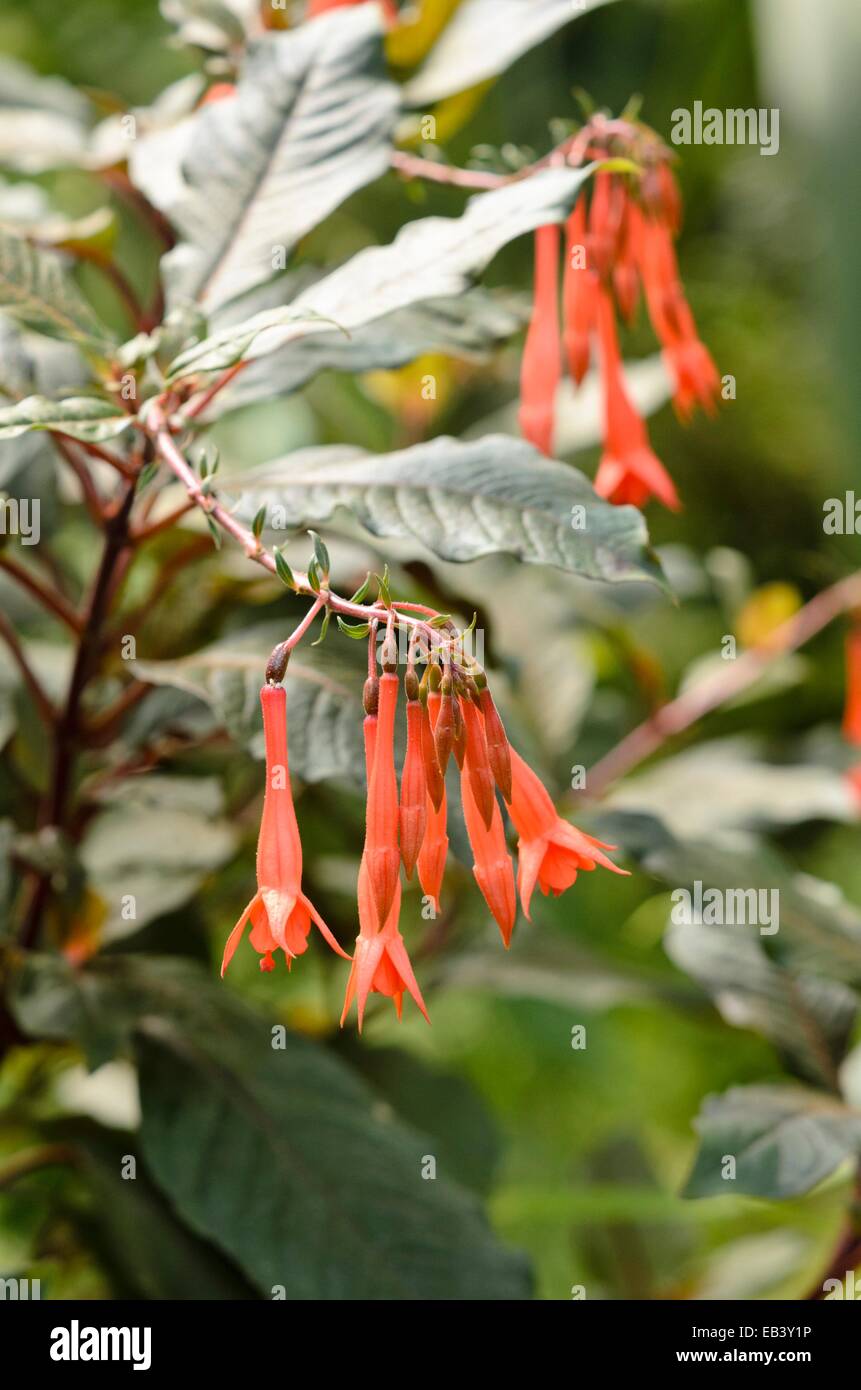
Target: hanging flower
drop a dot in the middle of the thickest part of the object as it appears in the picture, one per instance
(414, 795)
(541, 367)
(434, 850)
(550, 851)
(280, 913)
(618, 236)
(492, 866)
(380, 961)
(382, 854)
(629, 470)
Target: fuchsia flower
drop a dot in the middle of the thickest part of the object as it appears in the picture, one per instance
(280, 913)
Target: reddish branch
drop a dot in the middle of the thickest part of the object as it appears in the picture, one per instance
(49, 598)
(707, 695)
(40, 699)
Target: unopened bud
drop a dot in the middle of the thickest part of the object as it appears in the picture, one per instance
(371, 695)
(411, 685)
(277, 664)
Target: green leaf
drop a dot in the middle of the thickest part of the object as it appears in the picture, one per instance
(484, 38)
(223, 350)
(310, 123)
(462, 500)
(361, 593)
(214, 25)
(84, 417)
(285, 574)
(818, 928)
(314, 576)
(443, 1104)
(36, 289)
(43, 120)
(324, 628)
(808, 1018)
(436, 258)
(430, 259)
(324, 707)
(468, 327)
(784, 1141)
(152, 845)
(133, 1227)
(354, 630)
(283, 1158)
(258, 523)
(321, 554)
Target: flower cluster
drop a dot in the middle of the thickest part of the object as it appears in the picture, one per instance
(450, 712)
(618, 242)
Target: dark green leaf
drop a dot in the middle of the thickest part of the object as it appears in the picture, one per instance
(285, 574)
(784, 1140)
(463, 500)
(287, 1161)
(36, 289)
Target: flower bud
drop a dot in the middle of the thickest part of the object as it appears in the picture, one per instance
(445, 726)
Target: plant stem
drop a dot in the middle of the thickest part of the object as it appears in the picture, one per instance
(572, 151)
(49, 598)
(67, 724)
(40, 699)
(166, 446)
(707, 695)
(92, 500)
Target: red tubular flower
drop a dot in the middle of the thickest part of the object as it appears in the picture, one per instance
(434, 850)
(606, 212)
(381, 822)
(434, 780)
(541, 367)
(280, 913)
(626, 280)
(481, 778)
(689, 361)
(444, 724)
(414, 796)
(852, 707)
(550, 851)
(629, 470)
(492, 867)
(498, 751)
(380, 962)
(579, 286)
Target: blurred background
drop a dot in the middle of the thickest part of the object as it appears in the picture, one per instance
(581, 1154)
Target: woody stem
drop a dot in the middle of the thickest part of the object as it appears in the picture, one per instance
(296, 636)
(571, 150)
(679, 714)
(166, 446)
